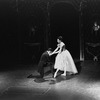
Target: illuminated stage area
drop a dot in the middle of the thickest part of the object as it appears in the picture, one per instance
(14, 84)
(28, 28)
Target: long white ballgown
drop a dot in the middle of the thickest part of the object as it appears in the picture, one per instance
(64, 61)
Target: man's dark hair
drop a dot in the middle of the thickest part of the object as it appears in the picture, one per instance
(49, 49)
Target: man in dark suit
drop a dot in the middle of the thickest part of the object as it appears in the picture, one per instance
(44, 60)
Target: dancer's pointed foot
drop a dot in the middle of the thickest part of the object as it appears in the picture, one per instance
(55, 75)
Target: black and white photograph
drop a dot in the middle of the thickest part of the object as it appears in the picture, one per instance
(50, 49)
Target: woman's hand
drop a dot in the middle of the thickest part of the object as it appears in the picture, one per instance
(50, 54)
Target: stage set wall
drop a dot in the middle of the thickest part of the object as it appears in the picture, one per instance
(22, 31)
(90, 13)
(29, 27)
(64, 21)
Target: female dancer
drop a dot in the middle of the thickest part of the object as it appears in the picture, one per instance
(63, 61)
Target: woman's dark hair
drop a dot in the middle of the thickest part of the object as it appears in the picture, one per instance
(60, 38)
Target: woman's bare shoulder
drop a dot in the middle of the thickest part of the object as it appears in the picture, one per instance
(62, 43)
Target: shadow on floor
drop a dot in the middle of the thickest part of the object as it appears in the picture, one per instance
(90, 71)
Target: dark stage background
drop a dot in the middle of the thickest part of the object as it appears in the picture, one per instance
(24, 29)
(64, 20)
(29, 27)
(23, 25)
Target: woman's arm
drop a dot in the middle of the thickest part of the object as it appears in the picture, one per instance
(62, 46)
(59, 51)
(54, 52)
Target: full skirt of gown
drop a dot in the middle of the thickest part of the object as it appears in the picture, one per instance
(64, 61)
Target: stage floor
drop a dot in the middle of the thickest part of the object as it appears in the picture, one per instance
(14, 84)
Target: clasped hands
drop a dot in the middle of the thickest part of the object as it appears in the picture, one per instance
(52, 53)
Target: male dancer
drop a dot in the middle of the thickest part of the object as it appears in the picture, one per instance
(44, 60)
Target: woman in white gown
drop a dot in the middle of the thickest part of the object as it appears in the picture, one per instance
(63, 60)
